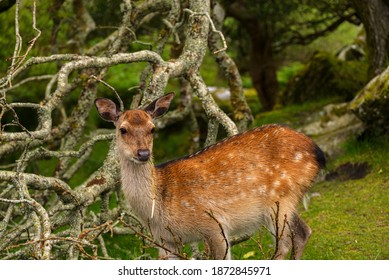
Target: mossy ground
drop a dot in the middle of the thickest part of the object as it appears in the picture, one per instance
(350, 219)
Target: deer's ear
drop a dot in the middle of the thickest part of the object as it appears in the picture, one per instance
(159, 106)
(107, 109)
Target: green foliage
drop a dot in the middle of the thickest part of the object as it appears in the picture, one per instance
(7, 29)
(99, 152)
(285, 73)
(171, 143)
(287, 21)
(345, 35)
(211, 73)
(128, 247)
(124, 76)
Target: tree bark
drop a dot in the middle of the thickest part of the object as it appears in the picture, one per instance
(374, 15)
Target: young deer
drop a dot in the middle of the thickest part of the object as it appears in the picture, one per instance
(227, 189)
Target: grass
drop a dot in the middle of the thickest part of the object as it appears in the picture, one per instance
(350, 218)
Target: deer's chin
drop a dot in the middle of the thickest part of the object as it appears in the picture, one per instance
(137, 161)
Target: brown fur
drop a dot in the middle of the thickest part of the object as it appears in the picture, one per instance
(235, 184)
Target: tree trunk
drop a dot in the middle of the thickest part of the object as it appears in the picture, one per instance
(262, 67)
(6, 4)
(374, 15)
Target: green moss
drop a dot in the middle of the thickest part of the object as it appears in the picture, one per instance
(293, 115)
(372, 103)
(339, 110)
(325, 76)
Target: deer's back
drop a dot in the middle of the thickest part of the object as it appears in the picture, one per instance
(243, 174)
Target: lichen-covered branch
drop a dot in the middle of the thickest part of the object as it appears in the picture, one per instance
(48, 192)
(241, 111)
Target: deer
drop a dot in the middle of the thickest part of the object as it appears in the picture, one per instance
(228, 189)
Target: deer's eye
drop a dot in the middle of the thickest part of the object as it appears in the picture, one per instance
(123, 130)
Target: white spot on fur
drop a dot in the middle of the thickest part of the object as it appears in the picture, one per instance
(268, 171)
(298, 156)
(251, 178)
(285, 176)
(262, 190)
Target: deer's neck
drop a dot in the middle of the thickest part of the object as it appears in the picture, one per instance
(137, 184)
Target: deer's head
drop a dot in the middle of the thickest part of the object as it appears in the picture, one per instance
(134, 128)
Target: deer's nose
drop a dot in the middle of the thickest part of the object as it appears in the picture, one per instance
(143, 154)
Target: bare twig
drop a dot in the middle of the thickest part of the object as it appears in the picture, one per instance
(113, 89)
(151, 240)
(278, 233)
(222, 233)
(17, 60)
(29, 79)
